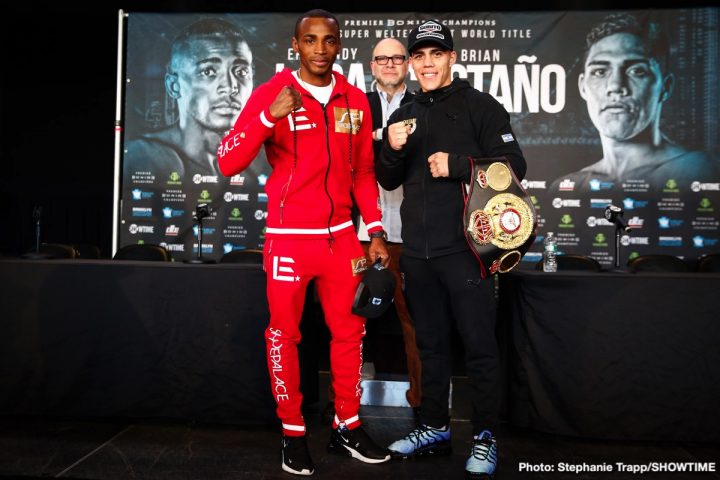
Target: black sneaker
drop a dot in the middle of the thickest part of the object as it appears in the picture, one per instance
(296, 457)
(356, 443)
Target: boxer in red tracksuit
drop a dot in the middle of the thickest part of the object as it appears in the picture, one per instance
(321, 158)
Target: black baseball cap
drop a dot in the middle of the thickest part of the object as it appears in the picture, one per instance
(430, 32)
(375, 293)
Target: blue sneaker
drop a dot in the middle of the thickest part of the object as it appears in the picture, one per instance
(483, 456)
(424, 440)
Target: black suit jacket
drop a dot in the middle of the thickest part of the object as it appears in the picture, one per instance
(377, 117)
(377, 120)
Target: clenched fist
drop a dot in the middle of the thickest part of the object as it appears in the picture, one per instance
(438, 163)
(398, 134)
(286, 101)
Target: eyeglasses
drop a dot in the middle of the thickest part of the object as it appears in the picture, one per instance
(383, 59)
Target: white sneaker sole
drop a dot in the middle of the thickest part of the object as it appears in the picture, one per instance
(304, 471)
(357, 455)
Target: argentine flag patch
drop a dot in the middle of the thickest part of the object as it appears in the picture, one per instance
(507, 137)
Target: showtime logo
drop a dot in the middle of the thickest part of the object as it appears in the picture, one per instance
(173, 247)
(698, 186)
(598, 222)
(535, 184)
(197, 178)
(134, 228)
(628, 240)
(236, 197)
(565, 203)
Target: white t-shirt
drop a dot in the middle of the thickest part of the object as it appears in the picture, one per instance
(321, 94)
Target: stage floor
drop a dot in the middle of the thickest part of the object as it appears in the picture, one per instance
(115, 449)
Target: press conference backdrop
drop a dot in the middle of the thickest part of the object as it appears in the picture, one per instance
(530, 62)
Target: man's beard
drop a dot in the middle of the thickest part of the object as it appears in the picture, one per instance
(392, 84)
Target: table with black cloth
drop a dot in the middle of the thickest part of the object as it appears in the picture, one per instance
(614, 355)
(109, 338)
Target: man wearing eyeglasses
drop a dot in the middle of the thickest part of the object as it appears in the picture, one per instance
(389, 66)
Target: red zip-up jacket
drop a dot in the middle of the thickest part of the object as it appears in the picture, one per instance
(316, 162)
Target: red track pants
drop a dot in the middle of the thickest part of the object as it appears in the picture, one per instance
(290, 265)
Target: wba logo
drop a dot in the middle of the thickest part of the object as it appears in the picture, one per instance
(300, 121)
(282, 269)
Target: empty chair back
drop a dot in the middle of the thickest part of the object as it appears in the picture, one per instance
(87, 250)
(243, 256)
(58, 250)
(709, 263)
(658, 263)
(569, 261)
(143, 251)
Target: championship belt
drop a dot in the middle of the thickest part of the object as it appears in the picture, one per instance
(499, 218)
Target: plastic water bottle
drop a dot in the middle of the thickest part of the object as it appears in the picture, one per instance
(549, 252)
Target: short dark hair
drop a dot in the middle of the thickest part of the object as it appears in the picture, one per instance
(315, 13)
(656, 42)
(205, 28)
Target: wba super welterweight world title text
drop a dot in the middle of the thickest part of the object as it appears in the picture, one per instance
(521, 84)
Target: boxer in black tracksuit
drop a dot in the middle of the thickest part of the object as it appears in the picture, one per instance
(427, 150)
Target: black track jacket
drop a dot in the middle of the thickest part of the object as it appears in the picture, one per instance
(458, 120)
